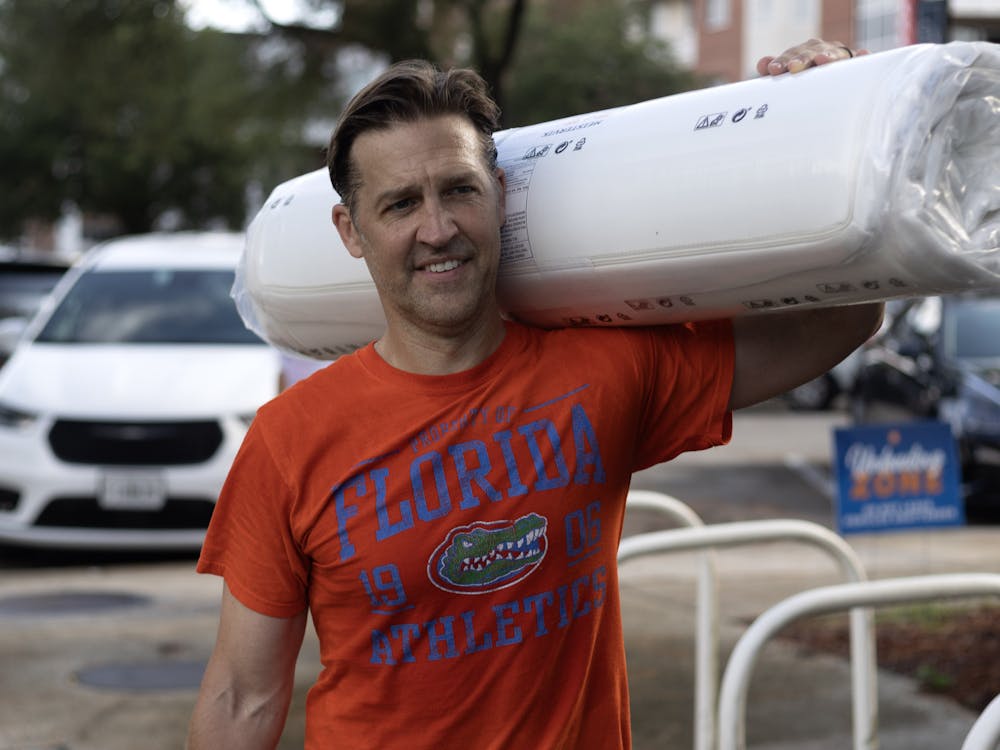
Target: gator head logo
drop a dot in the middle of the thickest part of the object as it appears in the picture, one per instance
(486, 556)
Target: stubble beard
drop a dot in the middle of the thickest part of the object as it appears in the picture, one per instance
(449, 311)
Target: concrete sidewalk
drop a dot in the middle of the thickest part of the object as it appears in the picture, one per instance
(162, 614)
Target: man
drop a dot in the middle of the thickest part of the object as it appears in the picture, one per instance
(447, 503)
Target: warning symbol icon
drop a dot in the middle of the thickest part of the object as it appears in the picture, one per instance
(711, 121)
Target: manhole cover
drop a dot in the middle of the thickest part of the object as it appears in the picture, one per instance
(67, 602)
(160, 675)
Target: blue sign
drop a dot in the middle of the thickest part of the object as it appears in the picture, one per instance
(897, 476)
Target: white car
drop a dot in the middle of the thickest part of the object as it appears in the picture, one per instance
(123, 406)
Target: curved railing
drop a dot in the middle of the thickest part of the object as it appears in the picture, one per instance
(861, 624)
(985, 733)
(827, 599)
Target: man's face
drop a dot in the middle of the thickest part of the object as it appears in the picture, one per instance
(426, 219)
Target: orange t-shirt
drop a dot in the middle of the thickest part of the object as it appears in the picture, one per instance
(455, 537)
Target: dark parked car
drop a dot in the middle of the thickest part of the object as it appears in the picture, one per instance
(836, 385)
(821, 393)
(25, 281)
(939, 359)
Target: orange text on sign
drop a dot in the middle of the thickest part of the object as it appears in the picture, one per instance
(881, 486)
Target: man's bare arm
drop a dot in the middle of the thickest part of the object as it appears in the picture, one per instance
(777, 352)
(247, 688)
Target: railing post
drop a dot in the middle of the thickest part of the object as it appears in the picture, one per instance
(706, 645)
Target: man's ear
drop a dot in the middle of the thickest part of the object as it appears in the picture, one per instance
(502, 200)
(349, 234)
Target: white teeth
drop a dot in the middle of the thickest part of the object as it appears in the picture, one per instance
(447, 265)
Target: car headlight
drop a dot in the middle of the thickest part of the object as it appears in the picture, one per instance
(16, 418)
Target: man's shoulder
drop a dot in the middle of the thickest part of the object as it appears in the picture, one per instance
(571, 334)
(592, 334)
(327, 383)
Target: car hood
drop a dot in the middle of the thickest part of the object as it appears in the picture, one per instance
(139, 381)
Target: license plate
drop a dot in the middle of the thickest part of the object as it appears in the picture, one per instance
(133, 490)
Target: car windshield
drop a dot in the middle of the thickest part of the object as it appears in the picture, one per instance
(149, 306)
(972, 330)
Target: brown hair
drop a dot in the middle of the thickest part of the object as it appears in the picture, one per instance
(408, 91)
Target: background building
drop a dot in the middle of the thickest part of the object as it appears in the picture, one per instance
(723, 39)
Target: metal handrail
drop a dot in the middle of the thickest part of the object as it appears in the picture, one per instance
(824, 600)
(706, 647)
(861, 623)
(985, 733)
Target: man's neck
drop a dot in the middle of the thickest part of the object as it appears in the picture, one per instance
(428, 353)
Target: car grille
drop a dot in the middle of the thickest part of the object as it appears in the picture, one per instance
(135, 443)
(86, 512)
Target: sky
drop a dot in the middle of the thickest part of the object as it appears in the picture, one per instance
(357, 66)
(241, 15)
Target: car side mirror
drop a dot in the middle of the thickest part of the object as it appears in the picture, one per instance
(915, 347)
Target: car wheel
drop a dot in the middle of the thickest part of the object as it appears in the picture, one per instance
(816, 395)
(967, 458)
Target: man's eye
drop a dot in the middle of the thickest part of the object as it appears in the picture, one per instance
(462, 190)
(400, 205)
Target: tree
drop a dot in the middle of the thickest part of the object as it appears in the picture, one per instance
(124, 110)
(542, 60)
(120, 107)
(479, 33)
(590, 60)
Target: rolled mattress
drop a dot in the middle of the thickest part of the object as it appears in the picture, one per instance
(868, 179)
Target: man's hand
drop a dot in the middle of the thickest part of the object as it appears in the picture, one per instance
(806, 55)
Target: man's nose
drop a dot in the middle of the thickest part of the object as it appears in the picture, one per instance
(437, 226)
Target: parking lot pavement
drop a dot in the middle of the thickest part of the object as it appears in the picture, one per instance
(57, 624)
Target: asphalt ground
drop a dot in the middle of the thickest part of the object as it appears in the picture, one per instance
(106, 654)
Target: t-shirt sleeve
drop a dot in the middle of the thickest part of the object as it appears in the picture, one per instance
(249, 540)
(689, 375)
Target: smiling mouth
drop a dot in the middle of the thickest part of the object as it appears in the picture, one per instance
(446, 265)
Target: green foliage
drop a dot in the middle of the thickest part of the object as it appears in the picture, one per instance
(118, 106)
(933, 679)
(932, 616)
(542, 59)
(390, 26)
(585, 61)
